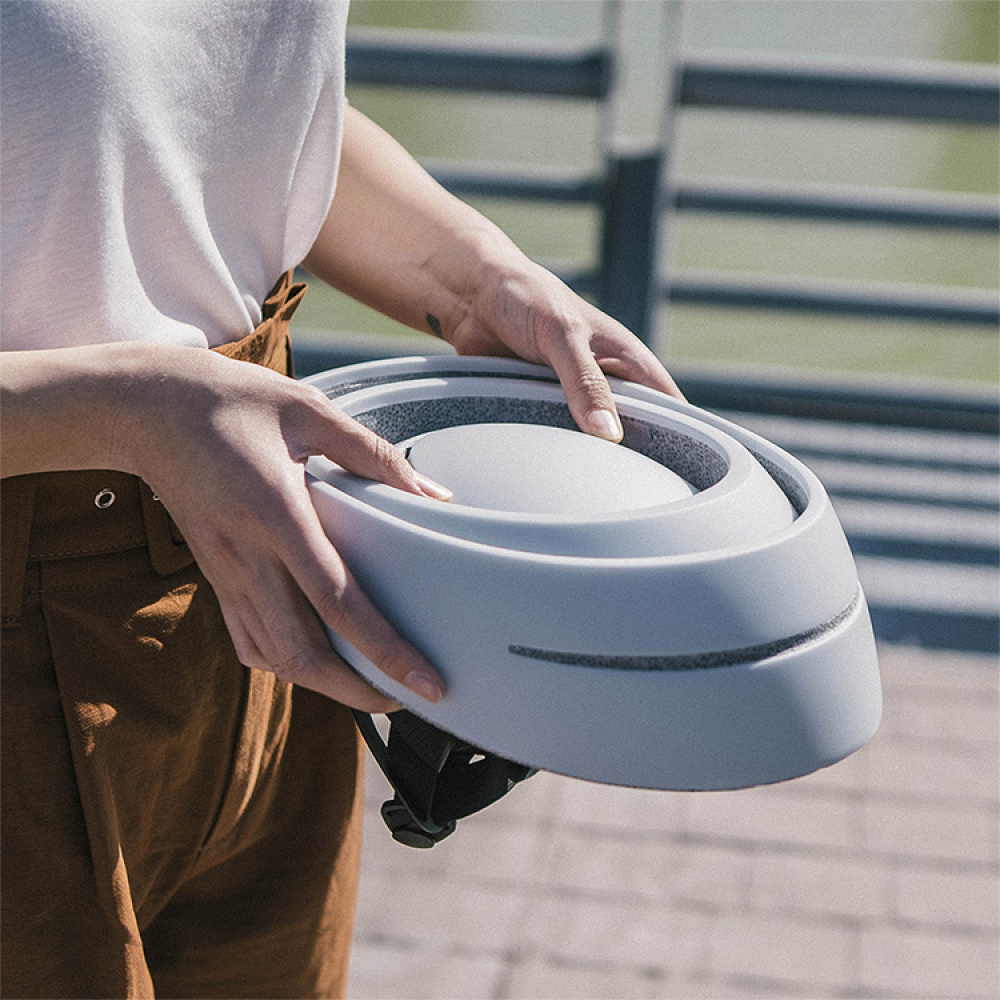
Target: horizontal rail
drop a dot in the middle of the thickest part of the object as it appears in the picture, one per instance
(923, 549)
(959, 93)
(945, 462)
(957, 306)
(936, 629)
(521, 183)
(973, 213)
(475, 63)
(963, 411)
(956, 93)
(885, 207)
(915, 498)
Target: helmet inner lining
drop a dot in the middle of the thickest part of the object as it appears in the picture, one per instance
(693, 460)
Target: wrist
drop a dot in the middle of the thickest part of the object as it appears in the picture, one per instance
(467, 280)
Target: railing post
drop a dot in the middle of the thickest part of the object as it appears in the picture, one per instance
(629, 240)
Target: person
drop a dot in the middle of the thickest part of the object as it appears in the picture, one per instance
(180, 768)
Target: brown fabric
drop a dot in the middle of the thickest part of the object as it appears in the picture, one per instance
(269, 345)
(17, 498)
(173, 823)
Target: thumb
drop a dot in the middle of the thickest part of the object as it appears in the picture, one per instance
(364, 453)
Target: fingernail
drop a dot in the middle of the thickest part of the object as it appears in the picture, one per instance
(424, 686)
(432, 489)
(604, 424)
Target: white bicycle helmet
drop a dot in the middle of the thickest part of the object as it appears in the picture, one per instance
(681, 611)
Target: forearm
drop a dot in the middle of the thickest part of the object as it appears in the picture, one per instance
(63, 410)
(223, 444)
(399, 242)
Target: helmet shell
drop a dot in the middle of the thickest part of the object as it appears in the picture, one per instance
(717, 639)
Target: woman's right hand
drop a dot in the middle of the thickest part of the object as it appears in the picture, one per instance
(223, 444)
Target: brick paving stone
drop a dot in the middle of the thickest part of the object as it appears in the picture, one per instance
(934, 722)
(616, 934)
(711, 878)
(541, 977)
(947, 899)
(782, 950)
(688, 875)
(909, 770)
(384, 971)
(514, 852)
(438, 914)
(741, 988)
(777, 815)
(938, 831)
(609, 866)
(923, 964)
(954, 675)
(638, 811)
(825, 887)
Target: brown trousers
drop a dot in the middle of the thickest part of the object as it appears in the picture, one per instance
(173, 823)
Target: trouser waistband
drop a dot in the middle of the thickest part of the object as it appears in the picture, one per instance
(64, 515)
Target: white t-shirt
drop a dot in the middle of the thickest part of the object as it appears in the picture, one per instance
(162, 162)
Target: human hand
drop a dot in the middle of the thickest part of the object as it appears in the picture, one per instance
(396, 240)
(223, 444)
(529, 313)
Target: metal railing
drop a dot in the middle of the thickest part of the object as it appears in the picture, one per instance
(948, 94)
(924, 529)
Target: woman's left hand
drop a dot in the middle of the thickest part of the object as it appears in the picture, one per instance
(529, 313)
(397, 241)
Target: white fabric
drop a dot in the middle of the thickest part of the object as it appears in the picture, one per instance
(163, 162)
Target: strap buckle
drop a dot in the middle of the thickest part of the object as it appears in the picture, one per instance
(436, 778)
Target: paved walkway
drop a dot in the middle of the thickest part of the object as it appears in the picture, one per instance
(875, 878)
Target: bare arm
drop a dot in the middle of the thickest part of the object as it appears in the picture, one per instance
(223, 444)
(399, 242)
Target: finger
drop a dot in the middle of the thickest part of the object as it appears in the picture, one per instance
(634, 362)
(349, 613)
(586, 387)
(246, 649)
(342, 606)
(290, 641)
(314, 664)
(273, 628)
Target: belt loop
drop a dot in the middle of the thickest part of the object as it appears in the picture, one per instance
(283, 299)
(17, 503)
(168, 552)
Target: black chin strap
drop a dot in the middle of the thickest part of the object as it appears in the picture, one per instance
(436, 778)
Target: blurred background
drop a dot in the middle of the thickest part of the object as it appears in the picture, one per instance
(877, 877)
(755, 148)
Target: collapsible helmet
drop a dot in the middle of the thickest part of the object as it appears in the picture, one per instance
(681, 611)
